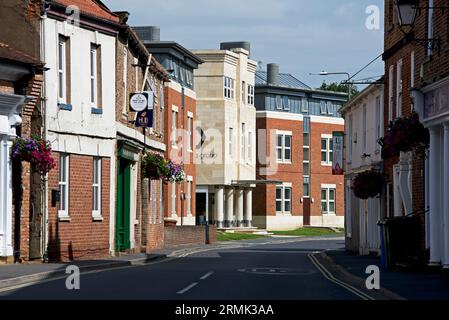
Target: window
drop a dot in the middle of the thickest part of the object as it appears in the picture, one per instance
(323, 108)
(162, 106)
(430, 25)
(283, 200)
(243, 142)
(173, 198)
(63, 70)
(243, 91)
(189, 196)
(64, 186)
(189, 133)
(378, 116)
(278, 102)
(390, 93)
(306, 125)
(174, 128)
(306, 154)
(231, 138)
(412, 69)
(250, 95)
(96, 188)
(229, 88)
(326, 150)
(328, 200)
(304, 106)
(284, 147)
(365, 129)
(306, 169)
(350, 137)
(306, 187)
(250, 146)
(306, 140)
(125, 81)
(285, 103)
(93, 75)
(399, 90)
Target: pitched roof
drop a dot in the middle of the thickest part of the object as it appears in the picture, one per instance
(10, 54)
(285, 80)
(91, 7)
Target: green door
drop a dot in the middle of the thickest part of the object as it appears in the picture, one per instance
(123, 205)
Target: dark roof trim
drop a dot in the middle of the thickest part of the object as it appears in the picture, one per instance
(175, 49)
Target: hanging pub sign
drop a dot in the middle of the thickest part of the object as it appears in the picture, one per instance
(138, 101)
(144, 119)
(337, 153)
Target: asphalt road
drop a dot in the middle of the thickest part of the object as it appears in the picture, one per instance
(253, 270)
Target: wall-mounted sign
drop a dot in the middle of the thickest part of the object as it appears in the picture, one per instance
(138, 101)
(144, 119)
(337, 152)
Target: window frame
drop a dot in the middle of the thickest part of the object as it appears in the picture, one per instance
(93, 75)
(283, 147)
(174, 128)
(62, 69)
(190, 133)
(327, 200)
(328, 150)
(284, 199)
(64, 166)
(250, 95)
(229, 88)
(96, 187)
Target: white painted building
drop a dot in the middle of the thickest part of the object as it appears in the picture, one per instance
(364, 126)
(226, 161)
(433, 108)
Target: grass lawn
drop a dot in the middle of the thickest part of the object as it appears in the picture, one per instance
(224, 236)
(309, 232)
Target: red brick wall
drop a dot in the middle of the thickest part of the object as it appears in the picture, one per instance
(174, 97)
(176, 236)
(264, 200)
(81, 237)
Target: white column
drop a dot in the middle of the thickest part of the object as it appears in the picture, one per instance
(446, 197)
(239, 207)
(248, 208)
(229, 208)
(6, 249)
(219, 206)
(434, 201)
(405, 181)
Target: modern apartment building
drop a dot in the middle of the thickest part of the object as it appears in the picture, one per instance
(295, 125)
(226, 150)
(178, 122)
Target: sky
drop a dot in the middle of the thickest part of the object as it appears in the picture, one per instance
(302, 36)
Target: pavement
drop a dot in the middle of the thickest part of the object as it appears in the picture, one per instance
(269, 269)
(398, 284)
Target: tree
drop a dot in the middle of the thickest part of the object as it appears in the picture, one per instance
(339, 87)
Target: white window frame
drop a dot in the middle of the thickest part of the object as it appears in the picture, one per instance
(174, 127)
(251, 95)
(378, 118)
(64, 162)
(190, 132)
(323, 107)
(278, 102)
(283, 147)
(229, 88)
(93, 76)
(62, 69)
(173, 199)
(327, 200)
(283, 199)
(399, 88)
(390, 93)
(328, 150)
(231, 141)
(250, 146)
(96, 188)
(243, 150)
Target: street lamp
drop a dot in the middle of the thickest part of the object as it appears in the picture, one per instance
(325, 73)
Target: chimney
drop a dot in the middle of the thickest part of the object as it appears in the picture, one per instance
(273, 74)
(236, 45)
(151, 33)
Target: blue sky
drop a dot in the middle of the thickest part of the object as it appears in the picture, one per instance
(302, 36)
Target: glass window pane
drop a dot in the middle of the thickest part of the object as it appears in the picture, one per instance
(323, 144)
(332, 207)
(306, 140)
(279, 140)
(331, 194)
(62, 189)
(306, 169)
(323, 206)
(288, 193)
(278, 193)
(323, 156)
(279, 154)
(306, 190)
(288, 141)
(323, 194)
(278, 206)
(306, 154)
(288, 206)
(288, 154)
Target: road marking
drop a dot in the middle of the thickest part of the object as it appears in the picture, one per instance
(187, 288)
(326, 273)
(207, 275)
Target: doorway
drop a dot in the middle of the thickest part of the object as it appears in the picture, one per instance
(123, 242)
(306, 210)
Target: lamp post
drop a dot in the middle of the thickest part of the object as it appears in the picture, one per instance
(407, 12)
(325, 73)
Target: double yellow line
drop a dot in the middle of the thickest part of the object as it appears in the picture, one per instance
(331, 278)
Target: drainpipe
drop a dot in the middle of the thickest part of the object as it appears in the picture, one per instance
(44, 194)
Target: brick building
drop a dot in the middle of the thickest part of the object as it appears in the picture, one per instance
(428, 37)
(139, 218)
(178, 122)
(405, 174)
(295, 126)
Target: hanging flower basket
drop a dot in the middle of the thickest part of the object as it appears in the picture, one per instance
(176, 173)
(154, 166)
(368, 184)
(404, 135)
(36, 151)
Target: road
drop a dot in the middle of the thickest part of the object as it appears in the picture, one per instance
(252, 270)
